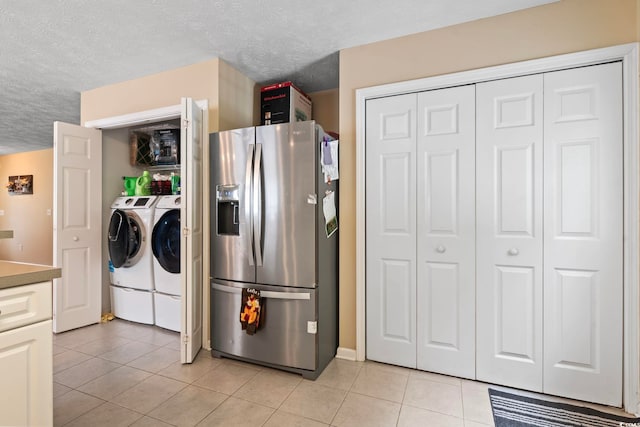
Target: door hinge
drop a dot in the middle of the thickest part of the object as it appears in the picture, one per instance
(186, 339)
(185, 123)
(185, 231)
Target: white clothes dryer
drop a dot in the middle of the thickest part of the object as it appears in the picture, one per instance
(165, 242)
(130, 258)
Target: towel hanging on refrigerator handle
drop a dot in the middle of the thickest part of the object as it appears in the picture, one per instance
(251, 310)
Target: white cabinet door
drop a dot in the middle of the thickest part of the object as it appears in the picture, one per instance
(77, 226)
(583, 206)
(446, 231)
(391, 230)
(26, 369)
(191, 217)
(509, 232)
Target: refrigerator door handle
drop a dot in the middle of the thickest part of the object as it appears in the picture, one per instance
(257, 205)
(265, 294)
(248, 190)
(286, 295)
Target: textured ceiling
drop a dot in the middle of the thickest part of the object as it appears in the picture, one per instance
(52, 50)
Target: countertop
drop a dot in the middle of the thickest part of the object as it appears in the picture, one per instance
(17, 273)
(6, 234)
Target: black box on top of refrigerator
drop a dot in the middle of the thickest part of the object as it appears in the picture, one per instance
(284, 103)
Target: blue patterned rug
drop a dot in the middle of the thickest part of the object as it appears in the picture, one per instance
(512, 410)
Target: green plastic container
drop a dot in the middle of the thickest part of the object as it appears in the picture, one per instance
(130, 185)
(175, 183)
(143, 184)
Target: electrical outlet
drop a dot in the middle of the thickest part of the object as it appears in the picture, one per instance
(48, 212)
(1, 212)
(312, 327)
(20, 247)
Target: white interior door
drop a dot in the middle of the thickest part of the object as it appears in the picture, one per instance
(77, 226)
(446, 231)
(509, 232)
(583, 217)
(191, 217)
(391, 230)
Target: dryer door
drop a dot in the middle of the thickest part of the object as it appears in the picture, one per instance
(165, 241)
(124, 238)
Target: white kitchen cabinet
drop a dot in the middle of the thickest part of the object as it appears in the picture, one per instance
(26, 364)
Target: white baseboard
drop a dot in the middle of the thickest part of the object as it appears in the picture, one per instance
(346, 353)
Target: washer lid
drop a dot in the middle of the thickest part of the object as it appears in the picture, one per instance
(165, 241)
(124, 238)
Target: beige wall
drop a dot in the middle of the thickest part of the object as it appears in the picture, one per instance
(325, 109)
(234, 99)
(236, 95)
(563, 27)
(158, 90)
(208, 80)
(28, 215)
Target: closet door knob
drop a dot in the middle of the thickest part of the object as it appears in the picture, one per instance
(441, 249)
(513, 251)
(76, 238)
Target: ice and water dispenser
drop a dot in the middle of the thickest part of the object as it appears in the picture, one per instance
(227, 197)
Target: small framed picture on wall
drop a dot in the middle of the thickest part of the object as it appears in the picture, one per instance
(20, 184)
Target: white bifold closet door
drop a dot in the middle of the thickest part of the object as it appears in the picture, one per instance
(446, 231)
(550, 230)
(509, 231)
(583, 232)
(494, 232)
(391, 230)
(421, 230)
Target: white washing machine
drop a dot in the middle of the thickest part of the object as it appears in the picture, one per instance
(165, 242)
(130, 258)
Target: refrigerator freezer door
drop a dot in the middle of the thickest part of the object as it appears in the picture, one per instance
(232, 255)
(288, 173)
(286, 337)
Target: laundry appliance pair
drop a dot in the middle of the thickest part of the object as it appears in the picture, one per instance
(144, 264)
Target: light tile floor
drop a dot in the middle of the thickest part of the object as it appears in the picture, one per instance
(127, 374)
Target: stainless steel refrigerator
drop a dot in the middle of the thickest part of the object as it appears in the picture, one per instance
(268, 232)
